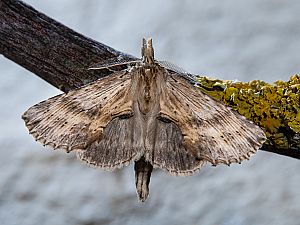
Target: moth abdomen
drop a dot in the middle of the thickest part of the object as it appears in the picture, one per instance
(143, 172)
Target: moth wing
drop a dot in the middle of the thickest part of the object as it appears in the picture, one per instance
(118, 146)
(169, 152)
(211, 131)
(76, 120)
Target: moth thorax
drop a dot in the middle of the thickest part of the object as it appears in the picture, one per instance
(148, 78)
(148, 90)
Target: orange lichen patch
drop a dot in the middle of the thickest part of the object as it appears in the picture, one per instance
(273, 107)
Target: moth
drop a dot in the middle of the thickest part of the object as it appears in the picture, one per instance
(149, 114)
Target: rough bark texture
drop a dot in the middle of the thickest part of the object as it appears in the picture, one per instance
(49, 49)
(61, 56)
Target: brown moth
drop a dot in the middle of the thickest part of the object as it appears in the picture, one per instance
(148, 114)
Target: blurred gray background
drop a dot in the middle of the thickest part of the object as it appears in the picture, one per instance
(244, 40)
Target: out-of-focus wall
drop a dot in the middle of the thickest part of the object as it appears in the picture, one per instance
(244, 40)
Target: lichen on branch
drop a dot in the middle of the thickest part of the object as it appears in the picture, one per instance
(273, 107)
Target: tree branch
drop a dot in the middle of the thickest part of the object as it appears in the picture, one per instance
(61, 57)
(275, 108)
(49, 49)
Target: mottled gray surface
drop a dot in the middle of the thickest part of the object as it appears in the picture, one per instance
(244, 40)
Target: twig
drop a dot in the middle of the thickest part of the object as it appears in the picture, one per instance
(61, 56)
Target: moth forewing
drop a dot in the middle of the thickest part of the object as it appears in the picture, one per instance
(76, 119)
(211, 130)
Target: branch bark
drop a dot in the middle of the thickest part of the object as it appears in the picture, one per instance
(49, 49)
(61, 57)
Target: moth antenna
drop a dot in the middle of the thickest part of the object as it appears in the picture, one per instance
(144, 46)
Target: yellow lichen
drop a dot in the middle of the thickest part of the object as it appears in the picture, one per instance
(273, 107)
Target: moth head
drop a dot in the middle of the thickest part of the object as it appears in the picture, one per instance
(147, 51)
